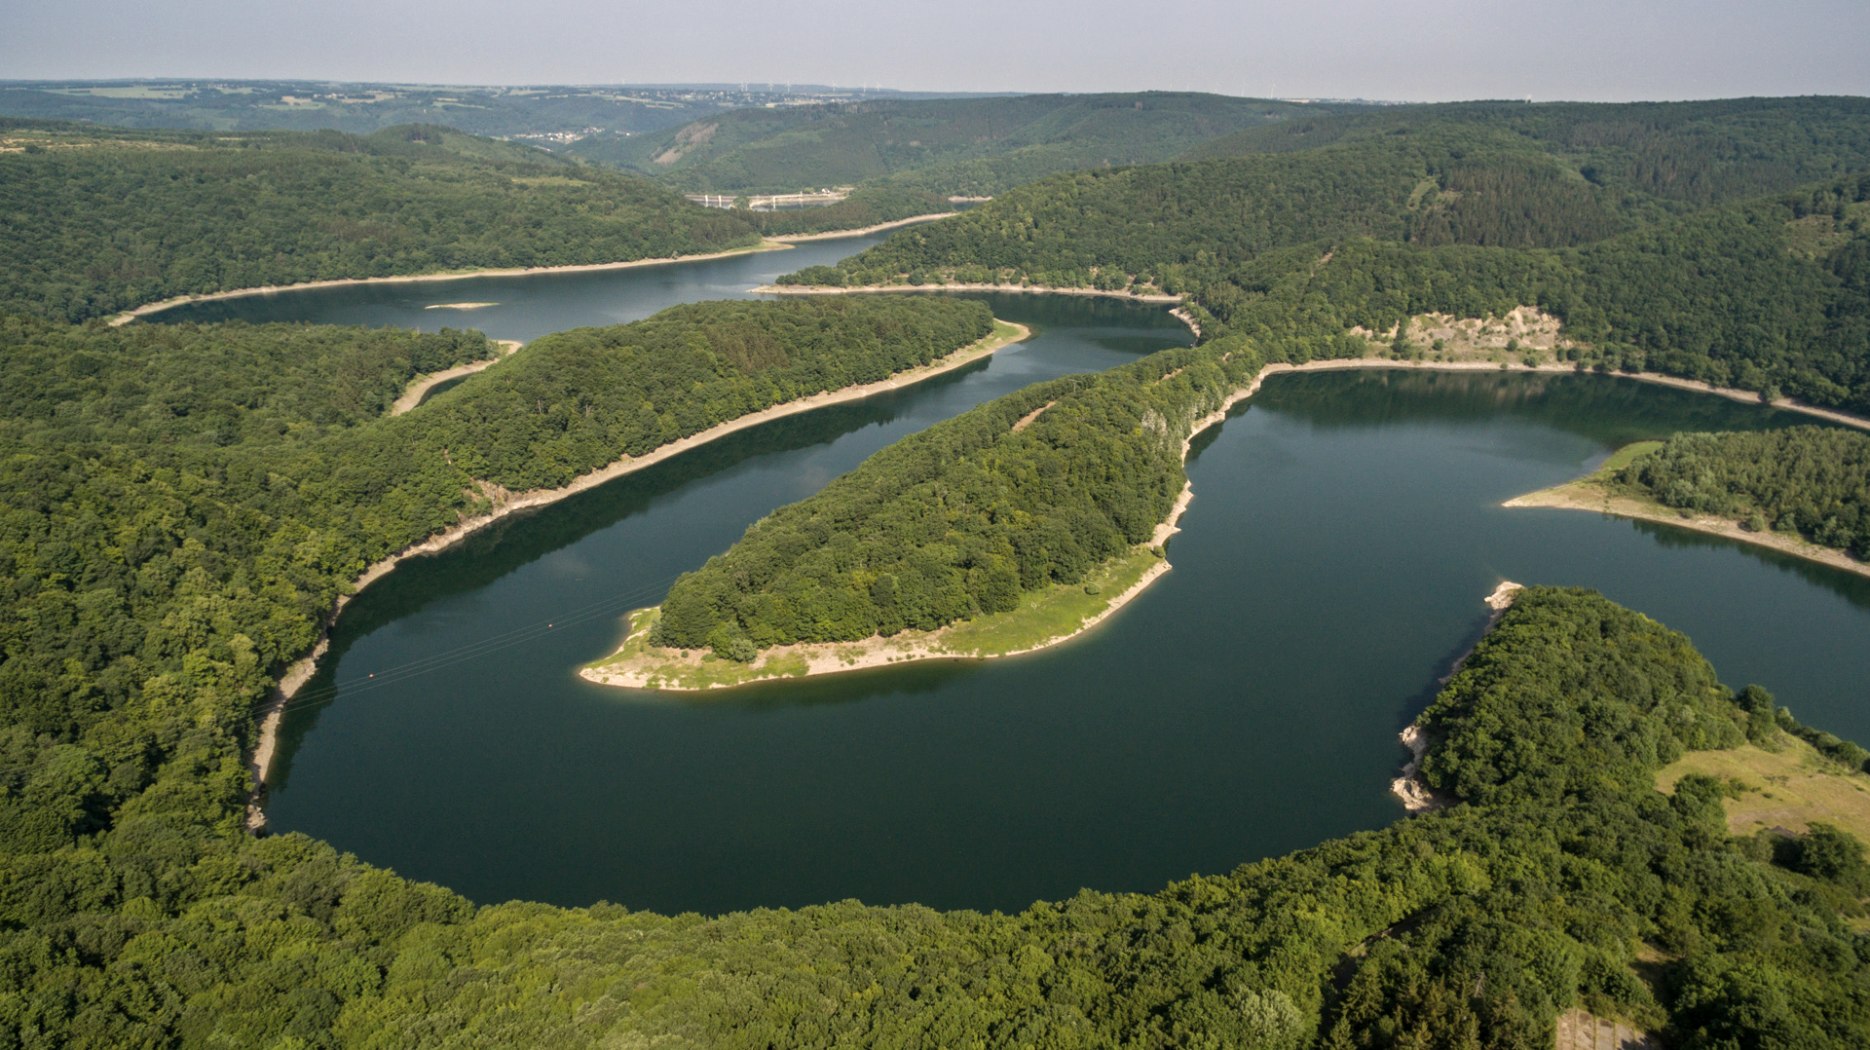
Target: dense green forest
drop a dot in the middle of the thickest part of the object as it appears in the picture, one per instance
(945, 146)
(1649, 247)
(1812, 481)
(1685, 153)
(185, 503)
(99, 221)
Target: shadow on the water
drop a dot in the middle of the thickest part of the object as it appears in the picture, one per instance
(870, 684)
(1200, 442)
(1440, 672)
(1852, 588)
(1605, 409)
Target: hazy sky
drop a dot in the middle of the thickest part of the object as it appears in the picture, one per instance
(1429, 49)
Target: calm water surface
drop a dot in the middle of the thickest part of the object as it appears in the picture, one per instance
(1345, 528)
(528, 307)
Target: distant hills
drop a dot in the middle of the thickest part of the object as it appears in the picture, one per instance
(721, 138)
(546, 115)
(971, 146)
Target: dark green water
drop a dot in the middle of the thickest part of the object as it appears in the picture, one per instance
(1345, 528)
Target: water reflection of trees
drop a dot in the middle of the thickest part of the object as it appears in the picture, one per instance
(1849, 586)
(1610, 410)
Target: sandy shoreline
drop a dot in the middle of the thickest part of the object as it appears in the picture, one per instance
(419, 389)
(1586, 494)
(810, 659)
(272, 712)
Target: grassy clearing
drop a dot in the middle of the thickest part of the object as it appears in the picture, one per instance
(1625, 456)
(1788, 788)
(1042, 616)
(679, 669)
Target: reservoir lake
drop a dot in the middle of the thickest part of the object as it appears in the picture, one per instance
(1345, 527)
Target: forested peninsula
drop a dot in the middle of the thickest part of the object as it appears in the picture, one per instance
(1029, 493)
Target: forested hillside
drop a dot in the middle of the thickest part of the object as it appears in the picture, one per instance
(1686, 153)
(943, 146)
(1444, 214)
(99, 220)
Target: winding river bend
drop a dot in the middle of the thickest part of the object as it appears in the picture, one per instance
(1344, 528)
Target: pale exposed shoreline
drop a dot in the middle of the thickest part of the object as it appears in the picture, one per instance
(272, 712)
(419, 389)
(1586, 494)
(822, 658)
(1018, 289)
